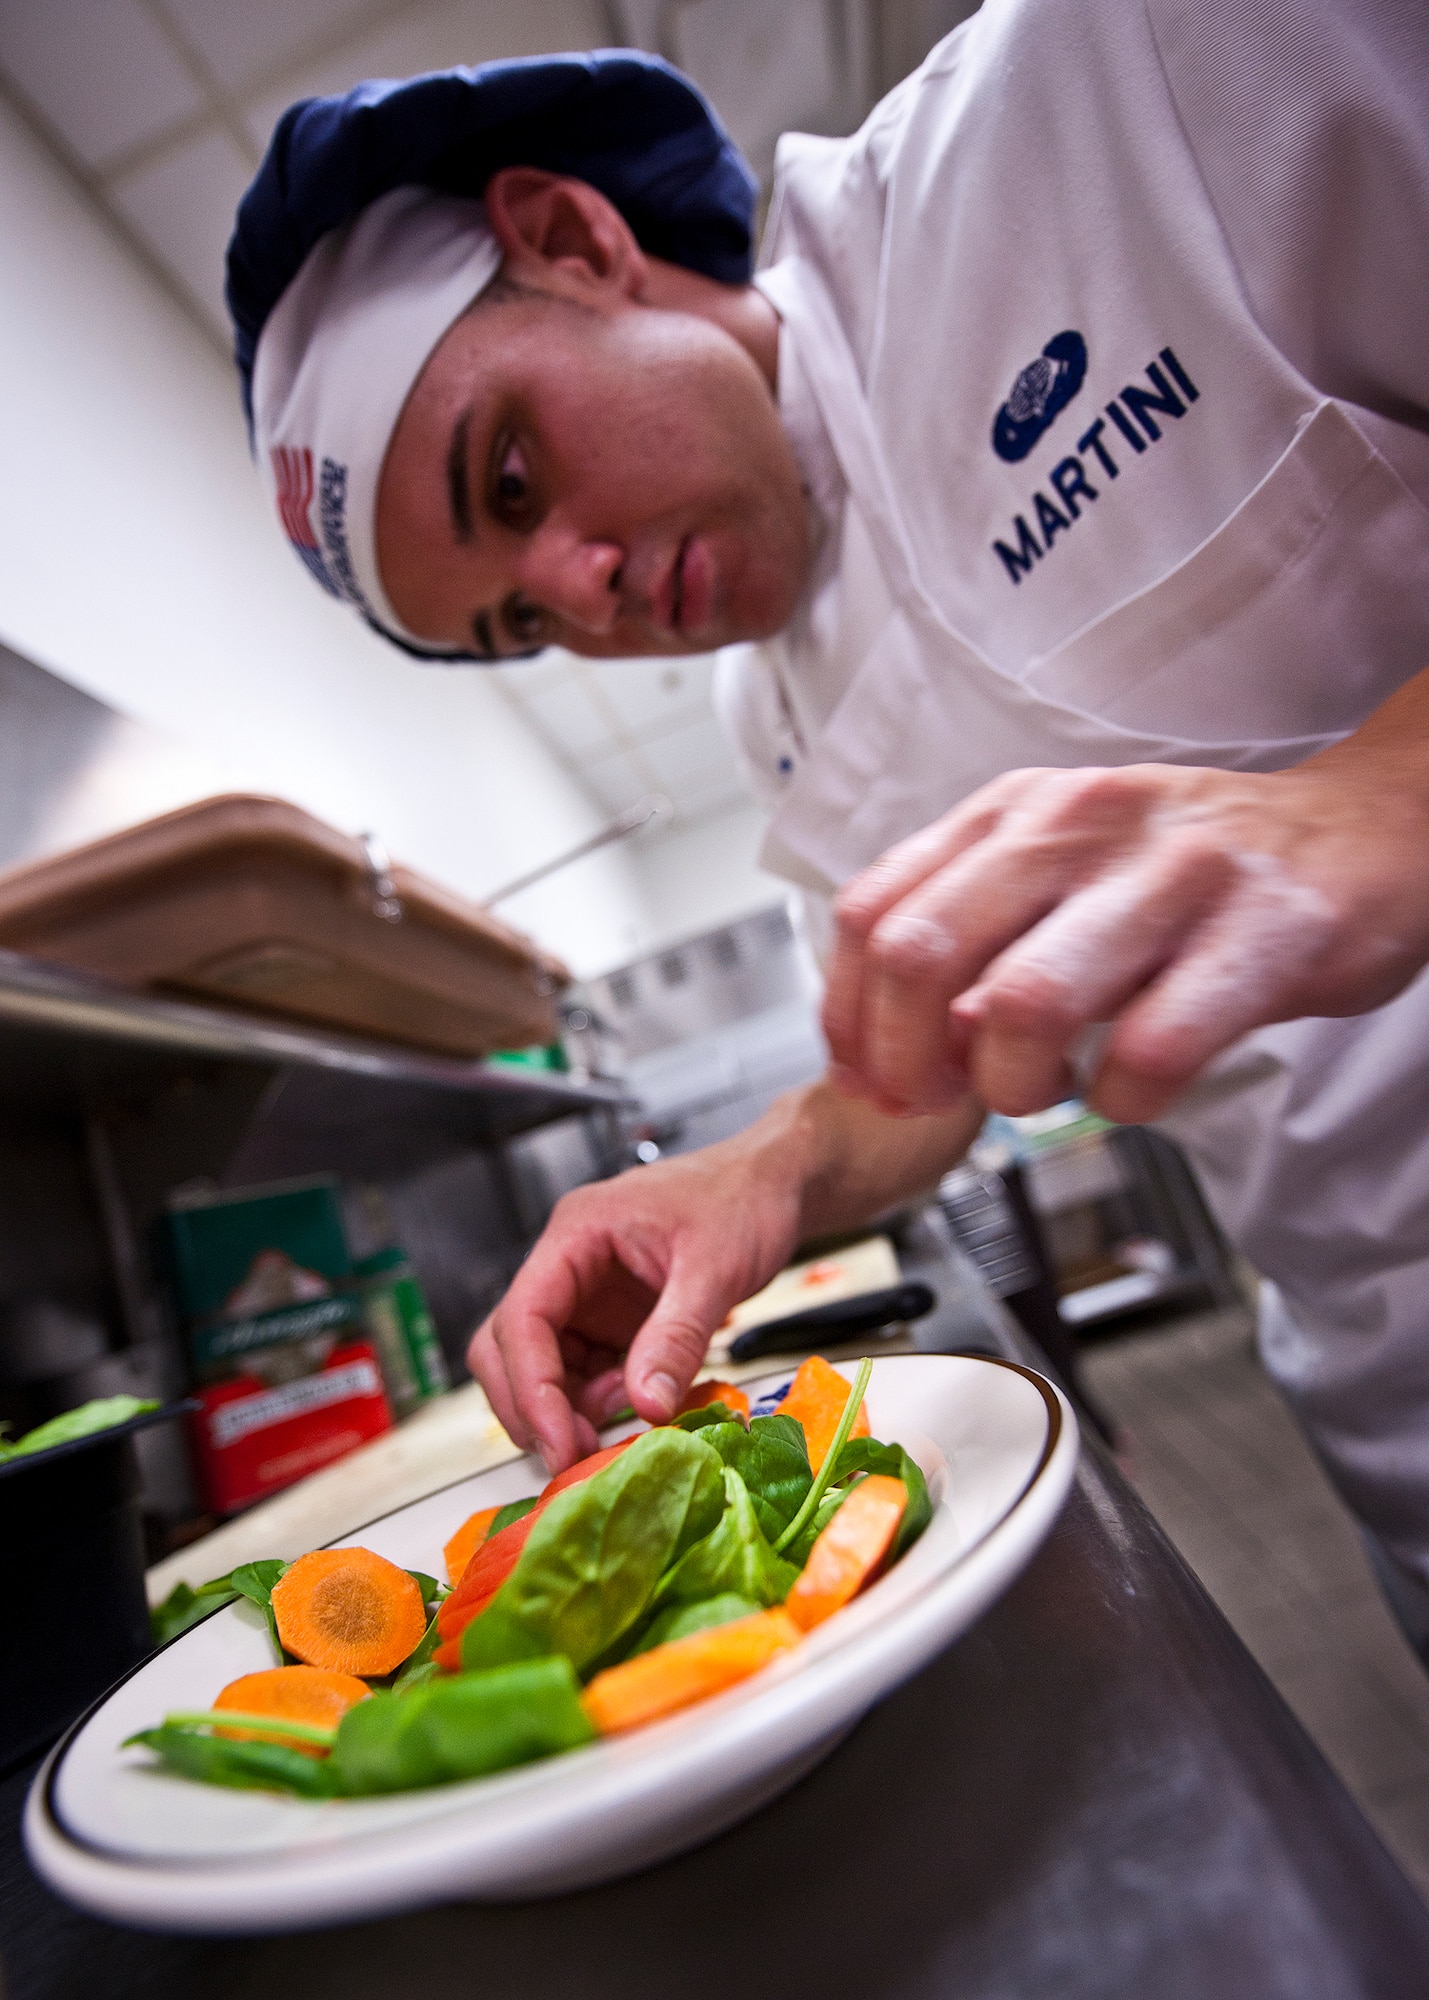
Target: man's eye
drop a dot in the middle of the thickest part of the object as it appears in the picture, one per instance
(525, 623)
(512, 489)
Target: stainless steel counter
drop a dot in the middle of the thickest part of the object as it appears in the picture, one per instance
(1094, 1793)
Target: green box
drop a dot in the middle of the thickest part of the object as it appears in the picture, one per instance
(259, 1267)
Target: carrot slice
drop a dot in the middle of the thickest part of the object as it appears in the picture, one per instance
(293, 1694)
(727, 1393)
(349, 1610)
(816, 1398)
(849, 1550)
(466, 1541)
(685, 1671)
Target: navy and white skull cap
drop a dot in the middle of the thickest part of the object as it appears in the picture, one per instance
(364, 238)
(626, 122)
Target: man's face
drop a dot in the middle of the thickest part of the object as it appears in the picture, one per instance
(613, 479)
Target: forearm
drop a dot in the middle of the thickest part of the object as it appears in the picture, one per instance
(642, 1268)
(850, 1161)
(1393, 740)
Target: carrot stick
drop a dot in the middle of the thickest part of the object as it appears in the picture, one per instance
(466, 1541)
(829, 1458)
(849, 1551)
(685, 1671)
(349, 1610)
(816, 1399)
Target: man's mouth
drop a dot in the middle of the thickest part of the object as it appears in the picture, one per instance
(677, 585)
(690, 593)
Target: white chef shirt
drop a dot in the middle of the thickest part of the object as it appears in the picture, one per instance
(1308, 130)
(1104, 357)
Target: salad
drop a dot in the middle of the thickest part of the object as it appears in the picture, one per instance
(650, 1576)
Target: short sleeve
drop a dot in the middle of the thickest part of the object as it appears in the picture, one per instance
(1309, 121)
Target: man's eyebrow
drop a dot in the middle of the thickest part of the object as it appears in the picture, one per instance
(481, 631)
(458, 491)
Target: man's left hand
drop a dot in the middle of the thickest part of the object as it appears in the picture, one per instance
(1181, 906)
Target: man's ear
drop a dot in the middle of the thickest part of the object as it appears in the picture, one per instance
(549, 225)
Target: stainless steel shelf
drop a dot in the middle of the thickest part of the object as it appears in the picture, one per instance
(69, 1041)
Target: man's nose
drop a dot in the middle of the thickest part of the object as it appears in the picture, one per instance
(575, 577)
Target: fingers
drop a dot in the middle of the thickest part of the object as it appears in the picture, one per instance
(1049, 831)
(601, 1397)
(878, 890)
(669, 1348)
(1082, 964)
(483, 1358)
(517, 1357)
(1245, 967)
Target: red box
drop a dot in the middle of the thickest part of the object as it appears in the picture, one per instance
(252, 1439)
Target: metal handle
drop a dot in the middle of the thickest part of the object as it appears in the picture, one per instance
(386, 903)
(864, 1314)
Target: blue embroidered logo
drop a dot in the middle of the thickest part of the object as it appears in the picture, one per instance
(1041, 392)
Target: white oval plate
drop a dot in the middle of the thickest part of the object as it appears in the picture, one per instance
(998, 1446)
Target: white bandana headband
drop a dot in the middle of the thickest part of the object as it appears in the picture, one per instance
(336, 362)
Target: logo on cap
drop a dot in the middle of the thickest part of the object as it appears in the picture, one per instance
(293, 475)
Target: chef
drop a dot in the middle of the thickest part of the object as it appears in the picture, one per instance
(1058, 489)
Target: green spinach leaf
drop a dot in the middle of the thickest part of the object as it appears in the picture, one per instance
(514, 1510)
(734, 1557)
(596, 1554)
(255, 1581)
(184, 1607)
(773, 1461)
(461, 1726)
(824, 1476)
(419, 1666)
(868, 1455)
(798, 1550)
(251, 1766)
(707, 1414)
(678, 1621)
(431, 1590)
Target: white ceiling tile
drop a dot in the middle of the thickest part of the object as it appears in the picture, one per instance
(566, 713)
(103, 74)
(434, 36)
(764, 68)
(691, 758)
(183, 207)
(615, 782)
(718, 796)
(651, 696)
(247, 41)
(524, 678)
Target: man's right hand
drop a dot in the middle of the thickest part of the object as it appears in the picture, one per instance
(617, 1301)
